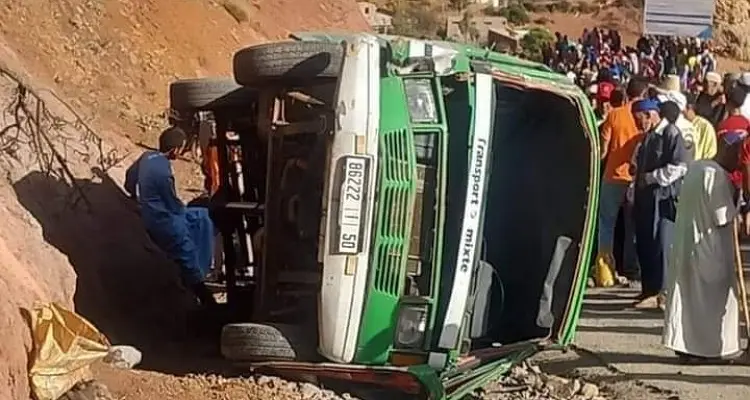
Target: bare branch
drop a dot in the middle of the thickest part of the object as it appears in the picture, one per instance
(28, 122)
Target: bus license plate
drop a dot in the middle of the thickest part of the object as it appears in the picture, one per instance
(352, 200)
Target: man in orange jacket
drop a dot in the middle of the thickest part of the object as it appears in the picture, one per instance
(619, 136)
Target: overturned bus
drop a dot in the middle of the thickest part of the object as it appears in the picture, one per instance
(414, 214)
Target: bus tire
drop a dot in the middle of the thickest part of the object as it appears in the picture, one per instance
(207, 94)
(288, 62)
(258, 342)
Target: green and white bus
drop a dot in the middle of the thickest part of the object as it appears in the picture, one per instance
(439, 226)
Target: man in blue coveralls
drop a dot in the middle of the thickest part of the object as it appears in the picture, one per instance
(660, 163)
(185, 234)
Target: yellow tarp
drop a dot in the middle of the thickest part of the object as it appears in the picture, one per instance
(65, 345)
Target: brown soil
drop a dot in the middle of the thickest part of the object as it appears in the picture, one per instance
(146, 385)
(111, 61)
(115, 57)
(732, 23)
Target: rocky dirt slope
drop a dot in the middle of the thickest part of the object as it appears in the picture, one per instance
(68, 234)
(115, 57)
(732, 27)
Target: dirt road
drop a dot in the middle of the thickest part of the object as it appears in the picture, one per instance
(617, 348)
(620, 348)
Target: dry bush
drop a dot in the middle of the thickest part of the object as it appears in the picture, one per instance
(531, 6)
(417, 18)
(459, 5)
(515, 14)
(534, 41)
(564, 6)
(587, 7)
(629, 3)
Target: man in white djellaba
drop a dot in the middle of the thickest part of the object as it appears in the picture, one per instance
(702, 315)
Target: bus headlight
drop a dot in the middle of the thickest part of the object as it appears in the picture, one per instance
(410, 331)
(421, 101)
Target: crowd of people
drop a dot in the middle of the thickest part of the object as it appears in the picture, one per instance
(676, 170)
(599, 55)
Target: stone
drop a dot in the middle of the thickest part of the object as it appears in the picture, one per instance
(123, 357)
(561, 387)
(589, 391)
(308, 391)
(555, 380)
(576, 386)
(89, 390)
(520, 372)
(264, 380)
(536, 382)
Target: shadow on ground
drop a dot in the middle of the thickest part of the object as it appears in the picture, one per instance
(125, 284)
(629, 330)
(578, 361)
(592, 313)
(582, 360)
(615, 304)
(688, 378)
(609, 312)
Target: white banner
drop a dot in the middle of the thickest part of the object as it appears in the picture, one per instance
(474, 203)
(684, 18)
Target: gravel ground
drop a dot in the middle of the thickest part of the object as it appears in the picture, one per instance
(530, 382)
(146, 385)
(525, 381)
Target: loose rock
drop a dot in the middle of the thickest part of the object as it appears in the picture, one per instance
(89, 390)
(308, 391)
(589, 391)
(123, 357)
(529, 382)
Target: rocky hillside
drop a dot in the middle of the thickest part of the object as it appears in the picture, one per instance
(732, 21)
(101, 68)
(115, 57)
